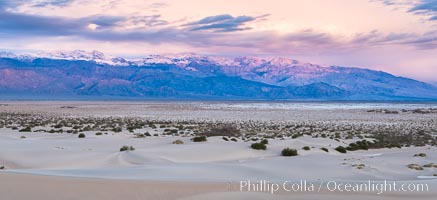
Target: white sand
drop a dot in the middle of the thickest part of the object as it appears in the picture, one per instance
(156, 158)
(24, 187)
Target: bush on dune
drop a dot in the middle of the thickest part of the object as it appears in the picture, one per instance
(341, 149)
(27, 129)
(199, 139)
(258, 146)
(289, 152)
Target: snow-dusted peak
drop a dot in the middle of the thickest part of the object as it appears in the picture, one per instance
(73, 55)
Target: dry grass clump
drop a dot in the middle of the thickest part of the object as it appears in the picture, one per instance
(415, 166)
(178, 142)
(359, 166)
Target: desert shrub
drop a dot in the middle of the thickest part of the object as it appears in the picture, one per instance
(420, 155)
(174, 131)
(117, 129)
(289, 152)
(324, 149)
(258, 146)
(306, 148)
(27, 129)
(81, 135)
(58, 126)
(201, 138)
(99, 133)
(264, 141)
(127, 148)
(23, 137)
(341, 149)
(234, 139)
(147, 134)
(139, 135)
(2, 167)
(225, 138)
(294, 136)
(178, 142)
(430, 165)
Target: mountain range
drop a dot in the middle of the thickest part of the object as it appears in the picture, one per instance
(89, 75)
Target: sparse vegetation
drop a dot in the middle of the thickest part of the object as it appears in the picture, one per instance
(224, 130)
(258, 146)
(306, 148)
(289, 152)
(81, 135)
(324, 149)
(127, 148)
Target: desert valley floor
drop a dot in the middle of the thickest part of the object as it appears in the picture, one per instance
(202, 150)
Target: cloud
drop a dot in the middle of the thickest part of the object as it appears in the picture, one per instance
(421, 7)
(59, 3)
(220, 33)
(426, 7)
(222, 23)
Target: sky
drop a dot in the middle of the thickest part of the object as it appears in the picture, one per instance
(396, 36)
